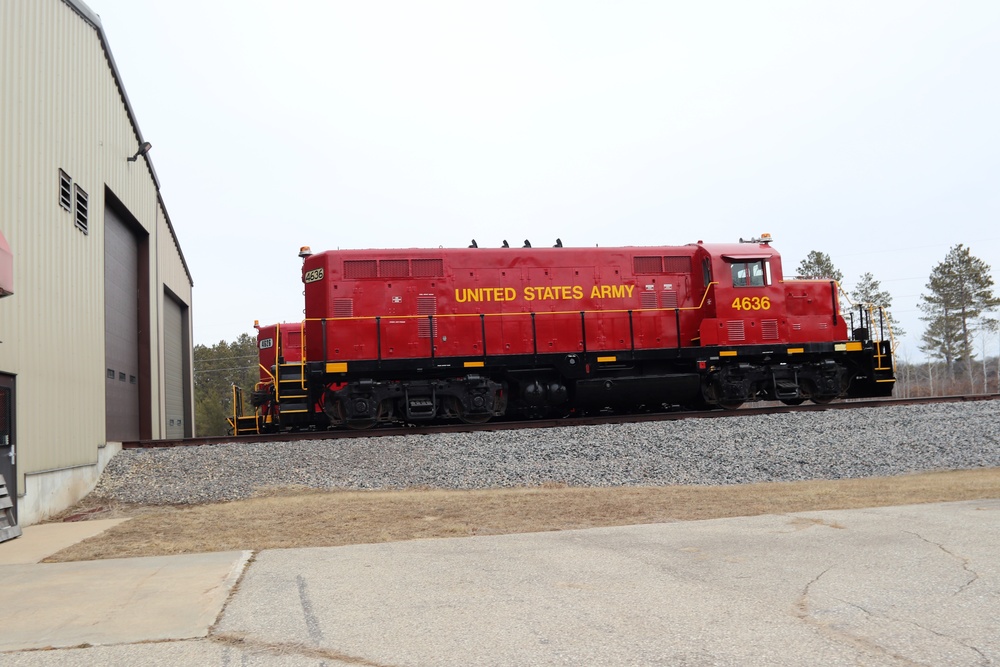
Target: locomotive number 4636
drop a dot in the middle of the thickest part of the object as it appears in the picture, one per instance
(752, 303)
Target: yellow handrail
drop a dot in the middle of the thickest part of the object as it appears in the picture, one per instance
(238, 412)
(871, 308)
(302, 355)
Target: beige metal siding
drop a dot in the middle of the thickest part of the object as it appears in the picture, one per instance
(60, 108)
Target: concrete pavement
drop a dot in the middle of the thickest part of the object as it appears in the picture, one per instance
(888, 586)
(45, 539)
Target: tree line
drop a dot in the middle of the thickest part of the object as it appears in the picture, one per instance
(956, 310)
(216, 369)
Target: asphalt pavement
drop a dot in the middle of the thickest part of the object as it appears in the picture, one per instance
(912, 585)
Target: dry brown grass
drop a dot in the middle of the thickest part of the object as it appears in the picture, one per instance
(288, 518)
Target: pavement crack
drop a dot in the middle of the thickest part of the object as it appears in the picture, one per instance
(860, 643)
(802, 606)
(985, 659)
(243, 642)
(244, 567)
(973, 575)
(312, 622)
(866, 612)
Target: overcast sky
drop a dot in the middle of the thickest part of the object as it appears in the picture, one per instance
(866, 130)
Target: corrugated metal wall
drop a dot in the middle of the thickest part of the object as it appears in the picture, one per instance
(61, 109)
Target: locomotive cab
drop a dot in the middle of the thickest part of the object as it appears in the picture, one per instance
(747, 301)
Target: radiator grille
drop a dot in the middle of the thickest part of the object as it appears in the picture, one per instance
(677, 265)
(648, 265)
(428, 268)
(394, 268)
(360, 268)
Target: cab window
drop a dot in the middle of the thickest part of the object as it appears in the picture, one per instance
(750, 274)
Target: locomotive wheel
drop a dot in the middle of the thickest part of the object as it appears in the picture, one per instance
(467, 418)
(821, 400)
(730, 405)
(793, 401)
(360, 424)
(474, 419)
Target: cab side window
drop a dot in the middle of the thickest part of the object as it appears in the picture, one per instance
(750, 274)
(739, 275)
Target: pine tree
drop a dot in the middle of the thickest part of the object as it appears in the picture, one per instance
(869, 291)
(819, 265)
(960, 294)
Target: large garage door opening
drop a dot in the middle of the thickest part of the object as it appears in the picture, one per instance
(126, 306)
(176, 365)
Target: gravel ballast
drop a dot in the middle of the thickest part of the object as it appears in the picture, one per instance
(833, 444)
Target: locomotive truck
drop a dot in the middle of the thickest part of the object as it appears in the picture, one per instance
(474, 334)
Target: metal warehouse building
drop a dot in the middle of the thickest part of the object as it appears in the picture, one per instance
(96, 335)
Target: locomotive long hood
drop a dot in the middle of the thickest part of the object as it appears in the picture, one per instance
(6, 268)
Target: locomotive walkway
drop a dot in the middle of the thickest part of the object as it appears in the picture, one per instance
(887, 586)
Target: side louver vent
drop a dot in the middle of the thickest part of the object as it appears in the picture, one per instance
(737, 332)
(343, 307)
(426, 305)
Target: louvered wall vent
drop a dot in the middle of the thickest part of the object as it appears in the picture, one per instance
(426, 305)
(736, 330)
(769, 329)
(343, 307)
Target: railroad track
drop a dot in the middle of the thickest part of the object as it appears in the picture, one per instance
(589, 420)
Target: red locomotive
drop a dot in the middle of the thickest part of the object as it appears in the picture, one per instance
(474, 333)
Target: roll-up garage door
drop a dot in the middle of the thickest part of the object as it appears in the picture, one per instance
(121, 328)
(173, 366)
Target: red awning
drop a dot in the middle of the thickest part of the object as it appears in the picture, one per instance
(6, 268)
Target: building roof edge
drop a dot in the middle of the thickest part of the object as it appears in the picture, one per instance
(88, 15)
